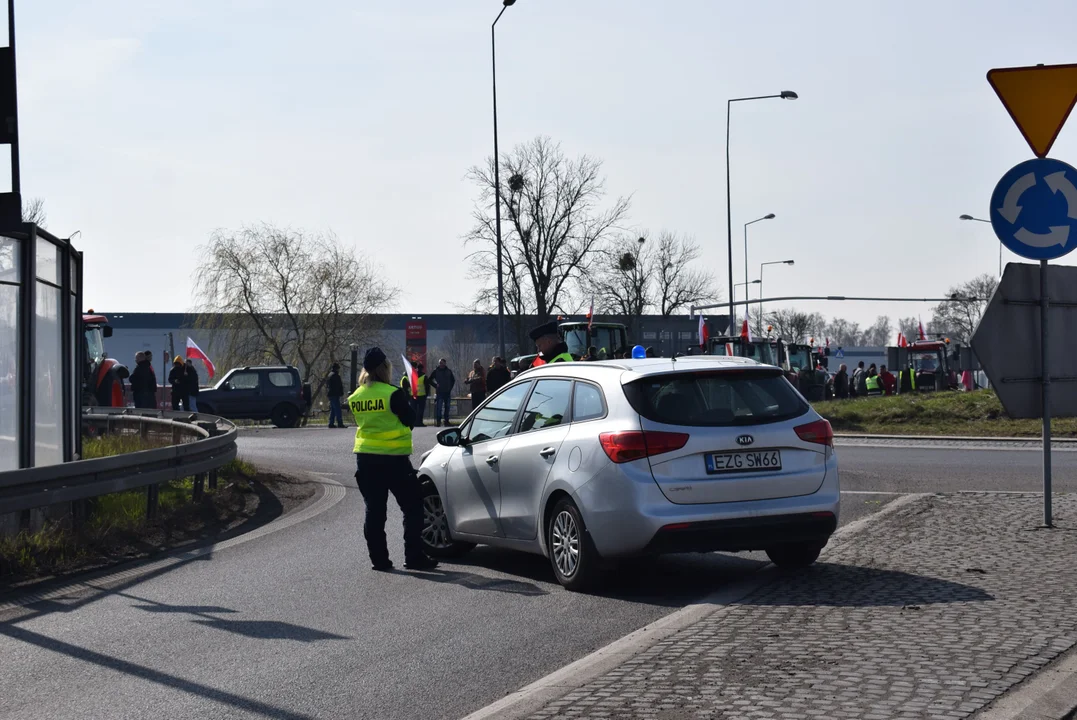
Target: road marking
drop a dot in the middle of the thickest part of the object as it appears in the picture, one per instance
(332, 493)
(529, 699)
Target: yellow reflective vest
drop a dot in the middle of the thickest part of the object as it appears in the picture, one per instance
(873, 384)
(377, 430)
(420, 391)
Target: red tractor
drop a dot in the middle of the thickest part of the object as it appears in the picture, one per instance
(103, 376)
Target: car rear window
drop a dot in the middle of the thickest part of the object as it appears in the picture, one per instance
(281, 378)
(716, 399)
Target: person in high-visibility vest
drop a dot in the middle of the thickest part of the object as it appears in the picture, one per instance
(418, 402)
(872, 381)
(383, 421)
(551, 348)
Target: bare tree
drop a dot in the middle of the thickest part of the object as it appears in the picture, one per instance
(844, 333)
(288, 297)
(33, 211)
(678, 279)
(909, 327)
(553, 222)
(959, 319)
(795, 326)
(620, 279)
(879, 333)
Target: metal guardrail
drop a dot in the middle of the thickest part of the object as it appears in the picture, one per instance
(199, 445)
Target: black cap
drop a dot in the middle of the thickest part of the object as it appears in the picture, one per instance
(373, 359)
(549, 328)
(336, 366)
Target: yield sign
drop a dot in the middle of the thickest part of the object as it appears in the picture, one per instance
(1039, 99)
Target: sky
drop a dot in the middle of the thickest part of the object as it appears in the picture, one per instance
(146, 125)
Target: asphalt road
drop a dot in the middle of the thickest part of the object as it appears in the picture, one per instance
(295, 625)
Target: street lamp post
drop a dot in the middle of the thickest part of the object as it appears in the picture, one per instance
(747, 296)
(784, 95)
(768, 216)
(761, 266)
(969, 217)
(497, 187)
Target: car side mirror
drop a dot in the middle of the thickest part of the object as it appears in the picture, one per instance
(451, 437)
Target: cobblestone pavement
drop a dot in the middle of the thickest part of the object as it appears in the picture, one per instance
(932, 612)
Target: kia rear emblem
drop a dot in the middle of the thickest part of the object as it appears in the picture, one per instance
(745, 440)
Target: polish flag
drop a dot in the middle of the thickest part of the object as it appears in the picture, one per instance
(704, 332)
(413, 377)
(746, 326)
(922, 336)
(901, 341)
(591, 314)
(195, 353)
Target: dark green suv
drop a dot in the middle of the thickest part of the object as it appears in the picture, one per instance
(274, 393)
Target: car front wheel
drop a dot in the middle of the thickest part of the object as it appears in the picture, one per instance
(793, 557)
(572, 554)
(437, 541)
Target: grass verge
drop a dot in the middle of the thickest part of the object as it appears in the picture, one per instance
(116, 528)
(946, 413)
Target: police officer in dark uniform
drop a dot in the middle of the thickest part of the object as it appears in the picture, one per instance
(551, 348)
(384, 419)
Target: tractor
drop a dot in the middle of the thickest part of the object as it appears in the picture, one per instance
(103, 376)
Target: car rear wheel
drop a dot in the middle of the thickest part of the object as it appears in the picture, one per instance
(794, 556)
(285, 415)
(572, 554)
(437, 541)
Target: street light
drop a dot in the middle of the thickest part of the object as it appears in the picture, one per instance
(969, 217)
(783, 95)
(768, 216)
(761, 266)
(745, 285)
(497, 187)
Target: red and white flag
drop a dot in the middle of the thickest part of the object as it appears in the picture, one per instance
(413, 377)
(746, 326)
(195, 353)
(901, 341)
(704, 332)
(922, 336)
(591, 314)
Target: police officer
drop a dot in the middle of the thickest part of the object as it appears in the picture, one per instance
(383, 420)
(551, 348)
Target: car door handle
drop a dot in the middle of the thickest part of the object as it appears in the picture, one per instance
(547, 452)
(492, 460)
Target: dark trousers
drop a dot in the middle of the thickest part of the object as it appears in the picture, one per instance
(377, 476)
(335, 412)
(419, 404)
(145, 399)
(476, 399)
(441, 402)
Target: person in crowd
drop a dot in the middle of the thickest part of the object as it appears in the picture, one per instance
(192, 385)
(476, 384)
(177, 381)
(841, 382)
(822, 381)
(497, 376)
(872, 384)
(143, 382)
(592, 354)
(383, 424)
(419, 402)
(334, 390)
(888, 380)
(860, 376)
(443, 381)
(551, 348)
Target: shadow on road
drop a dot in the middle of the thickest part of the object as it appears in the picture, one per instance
(481, 582)
(832, 585)
(665, 581)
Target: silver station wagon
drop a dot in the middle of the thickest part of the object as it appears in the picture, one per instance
(588, 461)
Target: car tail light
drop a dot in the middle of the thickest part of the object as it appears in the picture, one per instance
(622, 447)
(816, 432)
